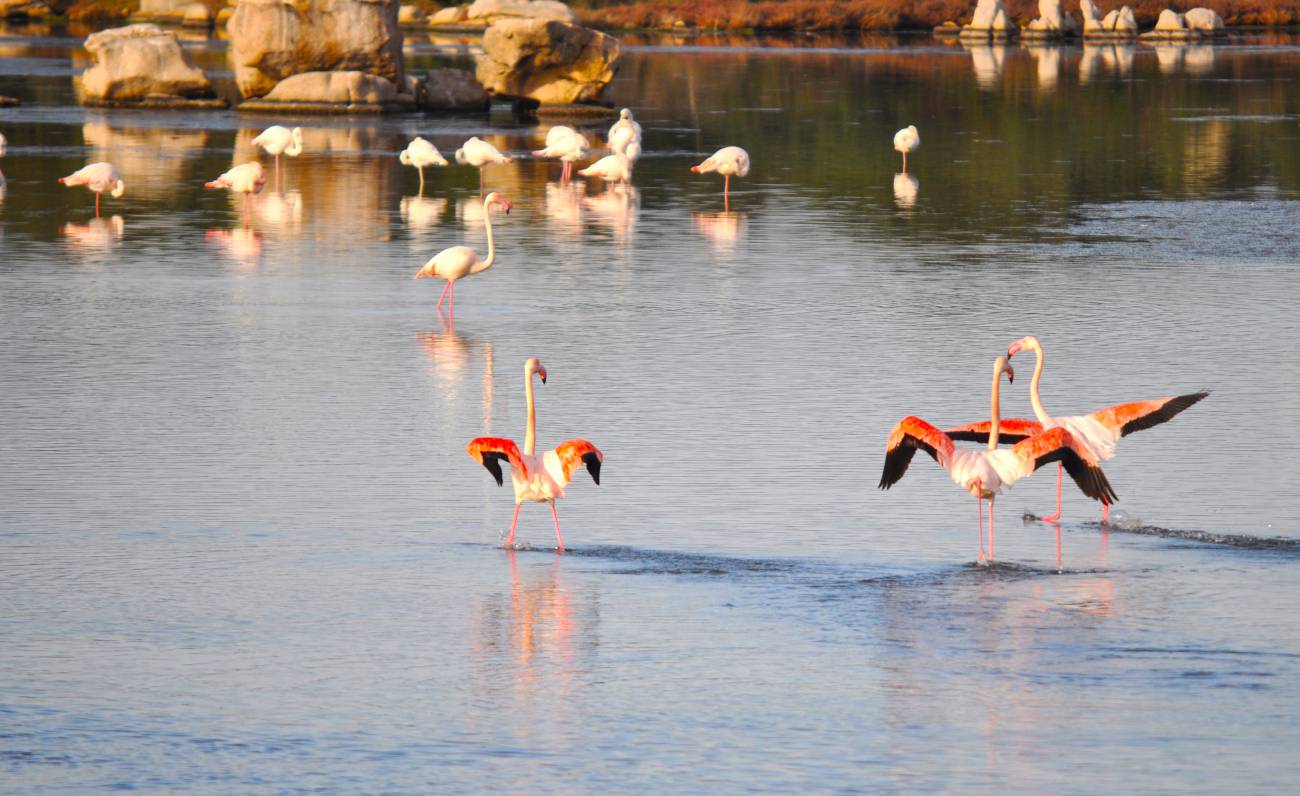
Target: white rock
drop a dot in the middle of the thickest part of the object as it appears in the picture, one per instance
(411, 15)
(344, 88)
(1203, 19)
(139, 61)
(1089, 11)
(985, 12)
(1126, 22)
(551, 62)
(451, 15)
(492, 10)
(1170, 20)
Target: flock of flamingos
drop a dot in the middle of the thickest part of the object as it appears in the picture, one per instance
(1076, 443)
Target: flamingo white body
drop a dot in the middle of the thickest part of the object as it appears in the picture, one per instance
(277, 141)
(611, 168)
(459, 262)
(98, 177)
(246, 178)
(566, 145)
(730, 161)
(421, 154)
(625, 136)
(985, 473)
(479, 153)
(537, 478)
(906, 140)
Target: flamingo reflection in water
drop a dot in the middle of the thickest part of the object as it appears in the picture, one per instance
(722, 229)
(97, 235)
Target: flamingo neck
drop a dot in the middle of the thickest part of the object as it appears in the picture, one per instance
(485, 264)
(1034, 399)
(530, 432)
(995, 409)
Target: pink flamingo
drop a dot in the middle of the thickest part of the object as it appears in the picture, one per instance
(461, 261)
(246, 178)
(565, 144)
(98, 177)
(729, 161)
(540, 479)
(1098, 432)
(984, 473)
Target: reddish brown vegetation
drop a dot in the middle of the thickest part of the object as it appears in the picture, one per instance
(892, 14)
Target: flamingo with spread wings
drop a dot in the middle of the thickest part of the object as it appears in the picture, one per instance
(984, 473)
(1098, 432)
(539, 478)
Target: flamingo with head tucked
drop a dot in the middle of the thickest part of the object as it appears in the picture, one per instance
(537, 478)
(611, 168)
(625, 136)
(985, 473)
(277, 140)
(246, 178)
(1098, 432)
(98, 177)
(566, 145)
(479, 153)
(905, 141)
(421, 153)
(730, 161)
(458, 262)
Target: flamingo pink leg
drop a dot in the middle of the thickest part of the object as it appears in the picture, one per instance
(990, 530)
(1105, 514)
(1060, 469)
(726, 195)
(451, 301)
(559, 540)
(277, 173)
(979, 503)
(443, 296)
(510, 540)
(97, 205)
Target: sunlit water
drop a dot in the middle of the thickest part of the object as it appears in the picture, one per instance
(242, 549)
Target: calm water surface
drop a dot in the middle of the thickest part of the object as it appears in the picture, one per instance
(242, 549)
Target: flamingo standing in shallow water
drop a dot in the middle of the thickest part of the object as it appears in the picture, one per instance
(565, 144)
(420, 153)
(478, 153)
(98, 177)
(246, 178)
(277, 140)
(611, 168)
(984, 473)
(729, 161)
(625, 136)
(1098, 432)
(536, 478)
(905, 141)
(461, 261)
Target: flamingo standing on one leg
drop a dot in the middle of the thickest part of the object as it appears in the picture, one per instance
(537, 478)
(611, 168)
(420, 153)
(625, 136)
(246, 178)
(277, 140)
(479, 153)
(565, 144)
(984, 473)
(730, 161)
(461, 261)
(98, 177)
(905, 141)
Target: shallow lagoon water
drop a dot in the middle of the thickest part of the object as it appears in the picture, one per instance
(244, 551)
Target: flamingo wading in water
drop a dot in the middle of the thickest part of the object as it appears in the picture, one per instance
(478, 153)
(566, 145)
(246, 178)
(625, 136)
(611, 168)
(421, 153)
(461, 261)
(1099, 431)
(905, 141)
(984, 473)
(730, 161)
(277, 140)
(98, 177)
(537, 478)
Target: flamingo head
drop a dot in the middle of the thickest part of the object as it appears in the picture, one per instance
(497, 199)
(625, 114)
(1002, 366)
(1029, 343)
(695, 169)
(534, 365)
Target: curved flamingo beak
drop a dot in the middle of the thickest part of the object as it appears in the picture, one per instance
(1013, 349)
(506, 207)
(541, 371)
(1011, 373)
(695, 169)
(61, 181)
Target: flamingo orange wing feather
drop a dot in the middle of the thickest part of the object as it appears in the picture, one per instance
(1059, 445)
(579, 452)
(1011, 430)
(1139, 415)
(491, 451)
(910, 434)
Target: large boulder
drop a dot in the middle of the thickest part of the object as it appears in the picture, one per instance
(412, 16)
(1090, 12)
(985, 12)
(271, 40)
(451, 15)
(1170, 20)
(139, 62)
(341, 88)
(551, 62)
(1052, 19)
(1205, 20)
(490, 11)
(454, 90)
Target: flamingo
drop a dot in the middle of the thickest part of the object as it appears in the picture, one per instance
(611, 168)
(479, 153)
(277, 140)
(625, 136)
(420, 153)
(1099, 431)
(905, 141)
(540, 479)
(98, 177)
(460, 261)
(246, 178)
(984, 473)
(565, 144)
(728, 161)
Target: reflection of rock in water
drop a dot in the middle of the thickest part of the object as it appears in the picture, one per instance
(564, 207)
(906, 188)
(241, 245)
(615, 208)
(421, 214)
(721, 229)
(1169, 57)
(1119, 59)
(1199, 59)
(96, 235)
(1205, 155)
(987, 61)
(152, 161)
(1049, 66)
